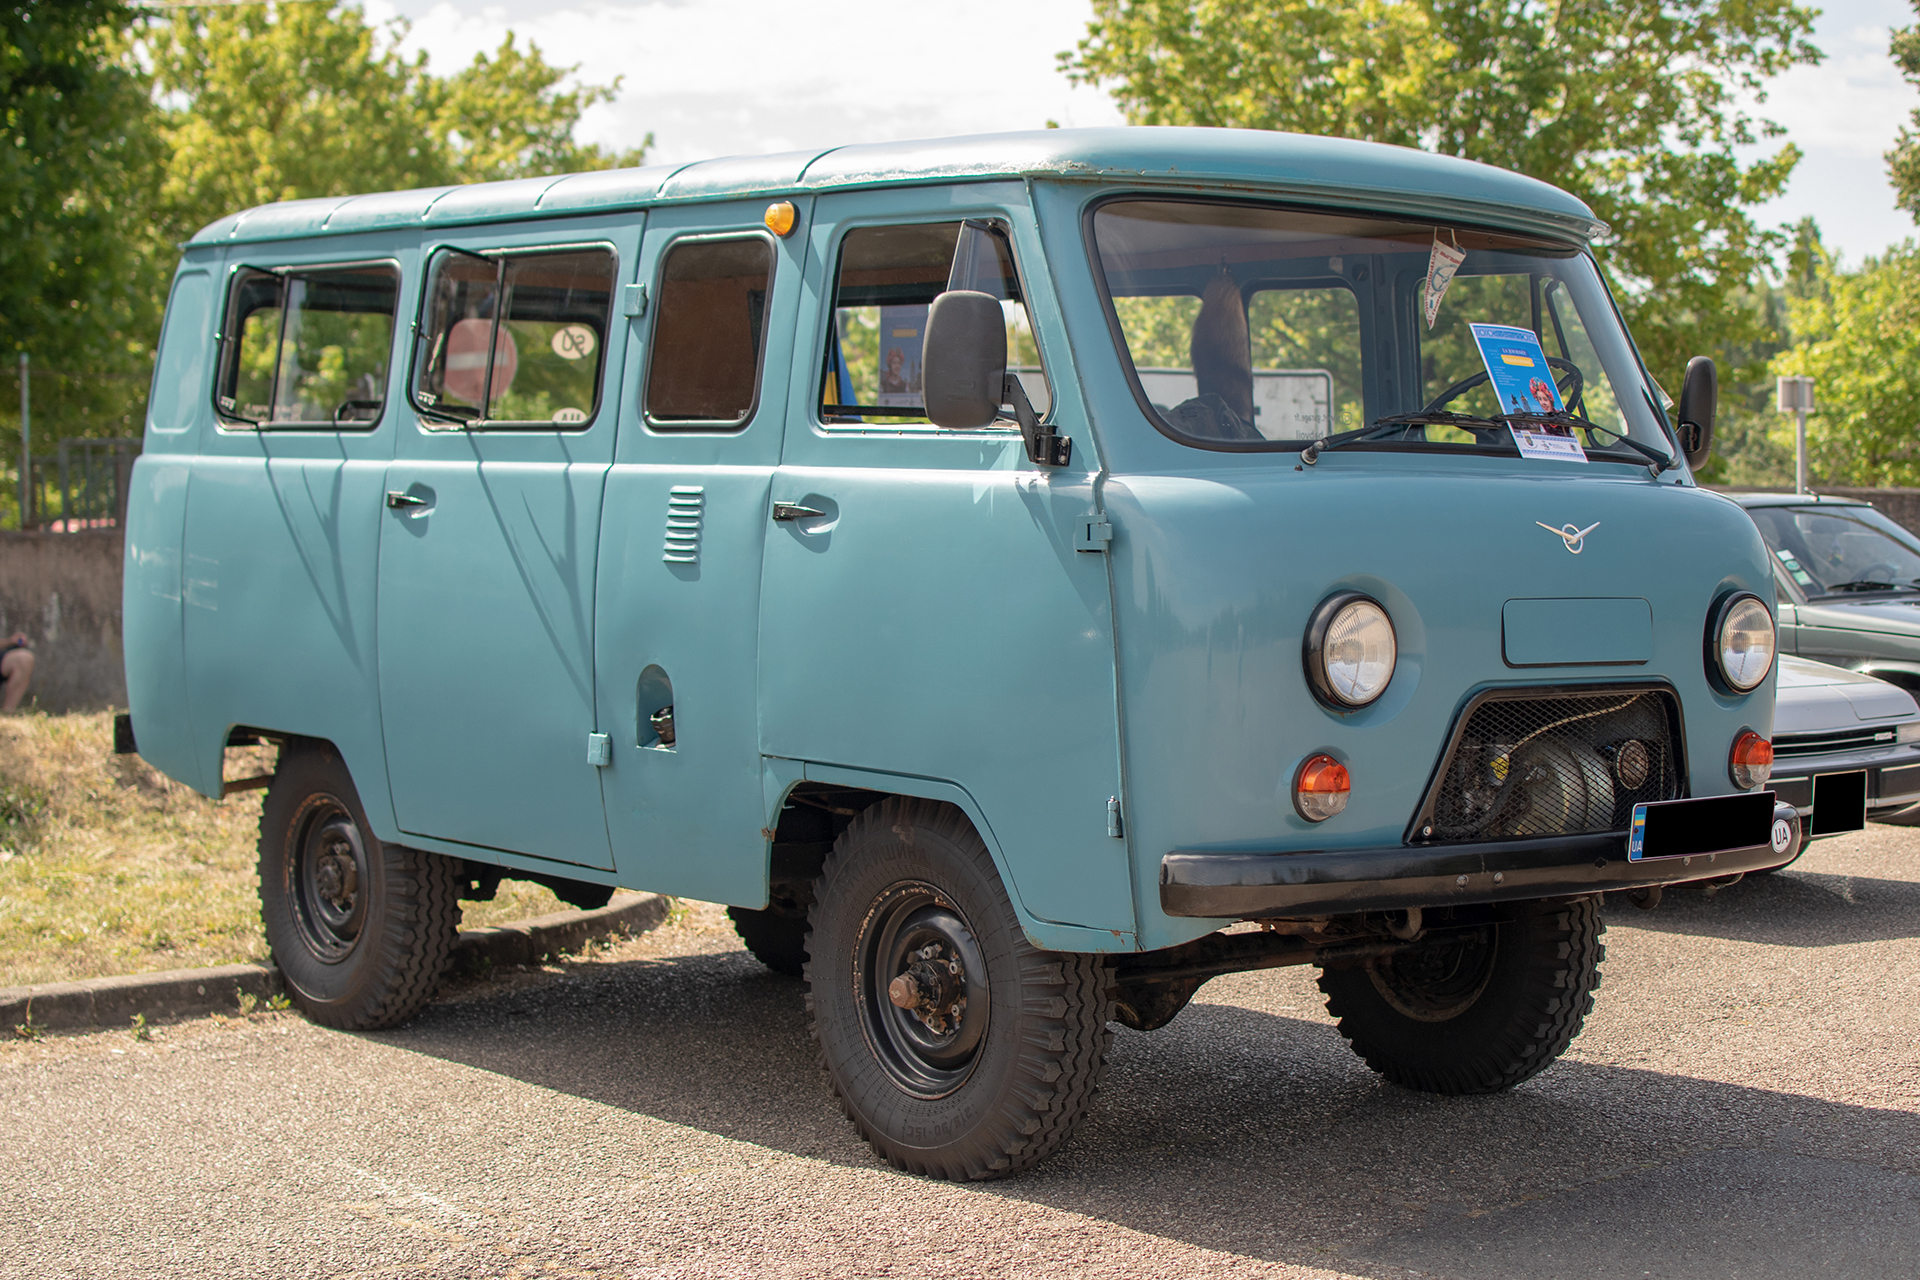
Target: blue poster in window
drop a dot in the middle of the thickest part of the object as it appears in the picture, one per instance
(1517, 370)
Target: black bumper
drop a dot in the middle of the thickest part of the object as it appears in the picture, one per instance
(1253, 885)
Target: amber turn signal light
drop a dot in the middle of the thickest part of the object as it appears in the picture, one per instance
(781, 217)
(1750, 763)
(1320, 788)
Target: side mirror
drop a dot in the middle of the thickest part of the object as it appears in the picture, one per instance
(1699, 393)
(964, 361)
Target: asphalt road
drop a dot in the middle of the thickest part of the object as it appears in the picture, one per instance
(1745, 1102)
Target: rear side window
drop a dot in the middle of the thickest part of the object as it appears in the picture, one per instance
(307, 348)
(704, 371)
(513, 339)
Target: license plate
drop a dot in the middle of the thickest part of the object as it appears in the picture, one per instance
(1689, 828)
(1839, 803)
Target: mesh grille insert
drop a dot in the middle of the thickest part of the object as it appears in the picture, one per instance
(1525, 767)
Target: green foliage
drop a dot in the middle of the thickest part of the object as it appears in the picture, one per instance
(1636, 107)
(1903, 162)
(76, 165)
(1858, 334)
(293, 101)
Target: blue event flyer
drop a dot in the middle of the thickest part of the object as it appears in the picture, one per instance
(1517, 368)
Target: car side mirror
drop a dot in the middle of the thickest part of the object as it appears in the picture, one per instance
(964, 361)
(1699, 393)
(964, 379)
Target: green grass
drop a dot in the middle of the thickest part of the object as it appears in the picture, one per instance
(108, 867)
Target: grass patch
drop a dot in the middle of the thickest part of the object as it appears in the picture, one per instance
(109, 867)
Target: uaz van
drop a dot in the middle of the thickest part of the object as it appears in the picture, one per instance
(995, 567)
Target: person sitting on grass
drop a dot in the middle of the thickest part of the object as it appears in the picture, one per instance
(16, 671)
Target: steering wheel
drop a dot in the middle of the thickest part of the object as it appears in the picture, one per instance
(1882, 572)
(1569, 389)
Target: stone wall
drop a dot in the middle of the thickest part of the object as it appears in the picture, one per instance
(63, 590)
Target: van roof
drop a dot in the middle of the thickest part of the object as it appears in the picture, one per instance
(1323, 171)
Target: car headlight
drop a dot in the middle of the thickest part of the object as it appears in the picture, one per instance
(1742, 642)
(1350, 651)
(1907, 733)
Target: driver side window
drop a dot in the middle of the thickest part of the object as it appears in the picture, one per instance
(307, 349)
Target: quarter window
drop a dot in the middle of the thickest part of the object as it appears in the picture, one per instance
(514, 339)
(307, 348)
(704, 371)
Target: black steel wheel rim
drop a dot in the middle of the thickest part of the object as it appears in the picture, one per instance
(1441, 979)
(328, 877)
(915, 933)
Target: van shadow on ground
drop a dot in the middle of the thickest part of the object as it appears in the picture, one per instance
(1261, 1135)
(1790, 908)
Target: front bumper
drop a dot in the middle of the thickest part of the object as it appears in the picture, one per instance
(1892, 784)
(1343, 881)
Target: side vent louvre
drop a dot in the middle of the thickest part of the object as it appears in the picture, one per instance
(686, 504)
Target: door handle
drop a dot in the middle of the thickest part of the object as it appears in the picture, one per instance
(399, 501)
(794, 511)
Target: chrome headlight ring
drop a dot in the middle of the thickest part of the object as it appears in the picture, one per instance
(1350, 651)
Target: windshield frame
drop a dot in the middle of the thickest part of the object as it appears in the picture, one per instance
(1613, 452)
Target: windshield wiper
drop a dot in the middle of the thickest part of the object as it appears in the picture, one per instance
(1382, 427)
(1869, 584)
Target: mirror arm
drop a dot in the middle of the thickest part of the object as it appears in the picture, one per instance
(1043, 447)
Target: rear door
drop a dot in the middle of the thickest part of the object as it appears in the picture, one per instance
(489, 542)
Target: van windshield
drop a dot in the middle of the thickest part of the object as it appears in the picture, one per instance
(1249, 327)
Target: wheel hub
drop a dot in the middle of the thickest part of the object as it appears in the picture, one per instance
(921, 983)
(325, 875)
(933, 989)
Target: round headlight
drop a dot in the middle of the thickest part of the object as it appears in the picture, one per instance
(1743, 642)
(1350, 651)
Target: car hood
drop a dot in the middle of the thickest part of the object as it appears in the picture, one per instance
(1812, 697)
(1900, 616)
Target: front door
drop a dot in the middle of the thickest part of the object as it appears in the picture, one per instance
(935, 619)
(489, 541)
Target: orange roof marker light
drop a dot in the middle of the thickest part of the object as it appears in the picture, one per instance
(781, 217)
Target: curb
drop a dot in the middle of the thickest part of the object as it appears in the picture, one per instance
(97, 1003)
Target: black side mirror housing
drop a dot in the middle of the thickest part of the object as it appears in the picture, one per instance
(964, 362)
(1699, 394)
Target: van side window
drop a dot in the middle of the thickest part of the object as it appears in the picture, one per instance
(307, 348)
(704, 370)
(513, 339)
(888, 278)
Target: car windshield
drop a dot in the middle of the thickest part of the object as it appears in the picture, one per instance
(1840, 550)
(1254, 327)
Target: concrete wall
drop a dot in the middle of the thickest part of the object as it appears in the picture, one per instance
(63, 590)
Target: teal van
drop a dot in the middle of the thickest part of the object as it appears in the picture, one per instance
(1024, 576)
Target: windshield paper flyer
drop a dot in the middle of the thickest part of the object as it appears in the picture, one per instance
(1441, 265)
(1517, 369)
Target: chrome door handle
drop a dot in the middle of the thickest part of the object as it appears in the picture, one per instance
(402, 501)
(793, 511)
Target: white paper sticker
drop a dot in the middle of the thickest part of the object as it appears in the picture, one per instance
(573, 342)
(569, 415)
(1445, 260)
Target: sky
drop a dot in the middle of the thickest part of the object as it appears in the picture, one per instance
(734, 77)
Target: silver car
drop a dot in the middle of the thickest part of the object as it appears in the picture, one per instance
(1849, 583)
(1846, 747)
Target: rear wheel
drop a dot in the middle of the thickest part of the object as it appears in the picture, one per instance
(361, 930)
(956, 1048)
(1474, 1010)
(777, 938)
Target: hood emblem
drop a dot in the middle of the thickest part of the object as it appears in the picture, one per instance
(1574, 538)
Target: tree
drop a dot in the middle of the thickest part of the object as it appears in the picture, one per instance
(1903, 162)
(1633, 105)
(76, 177)
(281, 102)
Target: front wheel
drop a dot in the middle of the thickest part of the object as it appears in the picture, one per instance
(956, 1048)
(361, 930)
(1478, 1009)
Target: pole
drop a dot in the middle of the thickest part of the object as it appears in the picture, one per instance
(26, 449)
(1800, 451)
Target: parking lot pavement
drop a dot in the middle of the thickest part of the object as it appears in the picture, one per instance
(1745, 1102)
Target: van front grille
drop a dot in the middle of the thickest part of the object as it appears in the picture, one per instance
(1522, 765)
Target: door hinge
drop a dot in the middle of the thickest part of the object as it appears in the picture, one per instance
(599, 750)
(633, 300)
(1093, 533)
(1113, 817)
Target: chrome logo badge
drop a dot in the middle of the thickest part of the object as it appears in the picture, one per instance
(1576, 539)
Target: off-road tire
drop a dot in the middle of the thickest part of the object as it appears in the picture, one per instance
(1041, 1051)
(377, 964)
(1540, 968)
(777, 939)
